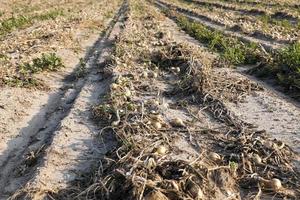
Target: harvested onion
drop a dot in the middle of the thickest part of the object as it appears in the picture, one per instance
(155, 102)
(114, 86)
(269, 144)
(127, 92)
(115, 123)
(214, 156)
(157, 125)
(145, 75)
(150, 163)
(161, 150)
(178, 122)
(154, 75)
(257, 159)
(276, 184)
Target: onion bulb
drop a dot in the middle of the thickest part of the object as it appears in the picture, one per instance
(145, 75)
(269, 144)
(214, 156)
(177, 122)
(276, 184)
(127, 92)
(155, 102)
(114, 86)
(257, 159)
(161, 150)
(154, 75)
(150, 163)
(157, 125)
(115, 123)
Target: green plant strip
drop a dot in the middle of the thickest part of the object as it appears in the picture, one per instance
(14, 23)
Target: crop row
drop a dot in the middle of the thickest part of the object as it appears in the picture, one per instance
(282, 64)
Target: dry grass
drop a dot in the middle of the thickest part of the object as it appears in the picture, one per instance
(30, 32)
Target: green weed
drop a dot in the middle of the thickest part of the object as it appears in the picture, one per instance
(3, 57)
(288, 61)
(267, 19)
(22, 81)
(50, 62)
(14, 23)
(52, 15)
(25, 78)
(231, 49)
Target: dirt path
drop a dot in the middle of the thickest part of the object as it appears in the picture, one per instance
(67, 111)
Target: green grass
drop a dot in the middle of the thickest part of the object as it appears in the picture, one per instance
(288, 65)
(285, 67)
(267, 19)
(14, 23)
(230, 49)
